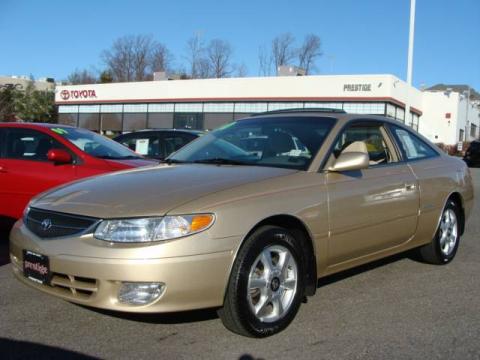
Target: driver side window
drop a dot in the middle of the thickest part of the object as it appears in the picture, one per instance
(373, 136)
(26, 144)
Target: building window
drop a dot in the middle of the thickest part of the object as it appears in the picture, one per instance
(400, 114)
(309, 105)
(461, 135)
(188, 121)
(161, 108)
(250, 107)
(415, 120)
(189, 108)
(390, 111)
(473, 130)
(218, 107)
(89, 109)
(135, 108)
(111, 108)
(68, 109)
(287, 105)
(365, 108)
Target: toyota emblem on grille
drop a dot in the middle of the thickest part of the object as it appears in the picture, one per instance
(46, 224)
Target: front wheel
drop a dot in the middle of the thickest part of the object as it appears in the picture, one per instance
(444, 245)
(266, 285)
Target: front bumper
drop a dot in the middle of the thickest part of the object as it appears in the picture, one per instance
(192, 281)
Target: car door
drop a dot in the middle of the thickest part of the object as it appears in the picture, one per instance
(375, 208)
(25, 170)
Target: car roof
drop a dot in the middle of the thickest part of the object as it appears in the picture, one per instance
(341, 116)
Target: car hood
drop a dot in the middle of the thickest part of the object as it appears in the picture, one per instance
(149, 191)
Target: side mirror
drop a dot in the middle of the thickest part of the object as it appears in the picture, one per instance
(350, 161)
(59, 156)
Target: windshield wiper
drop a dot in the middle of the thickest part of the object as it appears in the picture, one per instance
(174, 161)
(220, 161)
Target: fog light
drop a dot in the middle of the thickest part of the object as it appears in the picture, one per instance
(140, 293)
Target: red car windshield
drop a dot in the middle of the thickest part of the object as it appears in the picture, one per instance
(94, 144)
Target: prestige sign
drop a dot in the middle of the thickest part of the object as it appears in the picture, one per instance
(357, 87)
(78, 94)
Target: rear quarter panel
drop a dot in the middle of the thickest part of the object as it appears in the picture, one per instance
(438, 178)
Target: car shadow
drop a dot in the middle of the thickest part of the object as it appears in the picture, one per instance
(4, 257)
(331, 279)
(211, 314)
(15, 349)
(183, 317)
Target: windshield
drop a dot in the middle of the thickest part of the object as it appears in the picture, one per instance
(286, 142)
(94, 144)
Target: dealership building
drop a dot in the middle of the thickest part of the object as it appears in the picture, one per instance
(209, 103)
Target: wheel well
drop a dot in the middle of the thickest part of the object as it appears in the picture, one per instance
(299, 230)
(458, 200)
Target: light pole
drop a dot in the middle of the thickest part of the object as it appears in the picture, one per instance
(410, 58)
(467, 100)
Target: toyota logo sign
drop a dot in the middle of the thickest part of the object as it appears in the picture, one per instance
(65, 94)
(78, 94)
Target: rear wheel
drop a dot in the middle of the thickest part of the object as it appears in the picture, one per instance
(266, 285)
(444, 246)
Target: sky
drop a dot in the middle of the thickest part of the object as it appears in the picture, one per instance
(53, 38)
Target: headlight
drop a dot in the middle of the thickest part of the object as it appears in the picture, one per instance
(25, 213)
(152, 229)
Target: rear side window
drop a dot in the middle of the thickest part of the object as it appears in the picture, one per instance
(143, 144)
(25, 144)
(412, 146)
(175, 141)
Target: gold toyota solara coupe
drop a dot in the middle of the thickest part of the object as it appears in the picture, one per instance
(246, 218)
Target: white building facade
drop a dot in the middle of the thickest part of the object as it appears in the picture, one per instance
(449, 117)
(209, 103)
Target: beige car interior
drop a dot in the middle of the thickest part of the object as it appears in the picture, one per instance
(363, 146)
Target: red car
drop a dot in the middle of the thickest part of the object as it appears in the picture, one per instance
(36, 157)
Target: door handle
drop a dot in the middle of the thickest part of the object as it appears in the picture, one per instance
(410, 186)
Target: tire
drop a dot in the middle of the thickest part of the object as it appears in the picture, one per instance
(266, 285)
(444, 245)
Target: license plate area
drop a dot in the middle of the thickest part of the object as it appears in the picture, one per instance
(36, 267)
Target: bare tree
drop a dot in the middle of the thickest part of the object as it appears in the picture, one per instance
(264, 62)
(196, 57)
(283, 51)
(134, 57)
(241, 70)
(204, 71)
(84, 76)
(105, 77)
(309, 52)
(219, 54)
(122, 59)
(161, 58)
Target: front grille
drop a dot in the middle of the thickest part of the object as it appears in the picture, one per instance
(73, 286)
(50, 224)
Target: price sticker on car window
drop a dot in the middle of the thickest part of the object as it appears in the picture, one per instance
(141, 146)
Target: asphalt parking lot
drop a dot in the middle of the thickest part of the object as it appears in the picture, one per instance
(396, 308)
